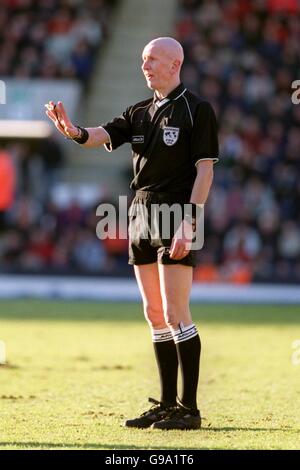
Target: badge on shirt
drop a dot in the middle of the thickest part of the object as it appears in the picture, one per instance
(170, 135)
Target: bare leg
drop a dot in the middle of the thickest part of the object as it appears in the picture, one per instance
(165, 350)
(148, 281)
(176, 283)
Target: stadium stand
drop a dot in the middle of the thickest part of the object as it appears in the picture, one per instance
(51, 39)
(242, 56)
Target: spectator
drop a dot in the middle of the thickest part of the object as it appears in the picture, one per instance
(240, 55)
(88, 252)
(51, 39)
(252, 46)
(7, 185)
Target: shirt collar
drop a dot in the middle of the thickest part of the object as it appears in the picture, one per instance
(176, 93)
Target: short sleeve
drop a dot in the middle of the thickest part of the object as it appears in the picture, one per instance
(119, 131)
(205, 144)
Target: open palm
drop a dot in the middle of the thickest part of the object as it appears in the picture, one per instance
(59, 117)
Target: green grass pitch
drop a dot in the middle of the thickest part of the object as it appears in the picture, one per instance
(75, 370)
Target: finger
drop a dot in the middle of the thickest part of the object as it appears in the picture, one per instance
(54, 118)
(176, 253)
(60, 118)
(172, 248)
(51, 106)
(51, 116)
(178, 249)
(180, 255)
(62, 112)
(52, 110)
(70, 132)
(61, 127)
(56, 122)
(187, 247)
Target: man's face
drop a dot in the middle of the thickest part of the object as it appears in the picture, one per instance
(157, 67)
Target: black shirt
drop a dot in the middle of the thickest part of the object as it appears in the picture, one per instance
(168, 138)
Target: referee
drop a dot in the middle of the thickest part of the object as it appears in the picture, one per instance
(174, 146)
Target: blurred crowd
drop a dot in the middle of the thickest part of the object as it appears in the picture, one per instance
(44, 229)
(51, 38)
(242, 56)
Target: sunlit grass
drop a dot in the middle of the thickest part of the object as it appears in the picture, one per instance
(75, 370)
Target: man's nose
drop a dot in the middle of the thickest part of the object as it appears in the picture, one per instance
(145, 65)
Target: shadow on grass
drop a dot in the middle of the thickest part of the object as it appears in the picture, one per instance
(30, 309)
(226, 429)
(65, 446)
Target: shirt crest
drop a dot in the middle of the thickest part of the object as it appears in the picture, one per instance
(170, 135)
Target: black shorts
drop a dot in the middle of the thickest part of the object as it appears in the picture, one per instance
(151, 231)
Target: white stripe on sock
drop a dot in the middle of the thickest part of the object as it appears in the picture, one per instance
(159, 336)
(184, 333)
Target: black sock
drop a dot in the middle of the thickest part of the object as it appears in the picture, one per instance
(167, 362)
(188, 349)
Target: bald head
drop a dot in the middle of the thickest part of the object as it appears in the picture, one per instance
(162, 61)
(167, 46)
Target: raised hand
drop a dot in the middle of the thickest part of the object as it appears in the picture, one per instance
(58, 115)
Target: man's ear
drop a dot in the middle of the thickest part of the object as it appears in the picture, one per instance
(175, 66)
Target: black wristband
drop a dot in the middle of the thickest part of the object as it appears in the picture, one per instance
(190, 214)
(190, 211)
(83, 137)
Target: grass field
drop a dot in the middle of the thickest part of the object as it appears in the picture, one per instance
(75, 370)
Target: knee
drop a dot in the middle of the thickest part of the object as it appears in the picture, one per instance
(154, 316)
(171, 316)
(174, 314)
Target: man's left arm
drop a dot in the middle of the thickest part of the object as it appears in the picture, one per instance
(183, 238)
(202, 182)
(204, 153)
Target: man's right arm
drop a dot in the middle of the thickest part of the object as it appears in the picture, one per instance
(96, 135)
